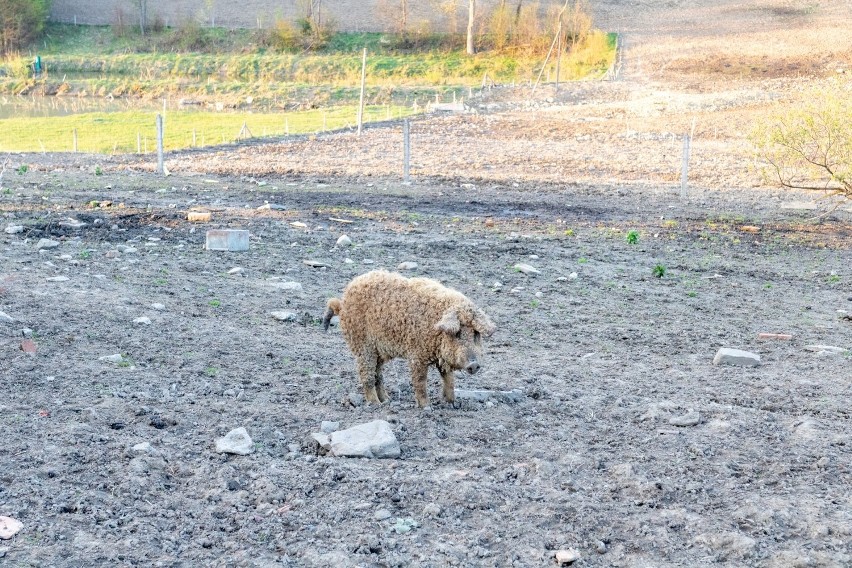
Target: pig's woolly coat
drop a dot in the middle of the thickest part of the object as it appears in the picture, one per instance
(384, 315)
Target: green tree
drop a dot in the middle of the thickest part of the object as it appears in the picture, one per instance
(21, 21)
(809, 145)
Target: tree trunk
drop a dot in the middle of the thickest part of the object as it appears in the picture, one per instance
(471, 12)
(404, 19)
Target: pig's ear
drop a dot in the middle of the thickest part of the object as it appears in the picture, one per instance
(449, 324)
(483, 324)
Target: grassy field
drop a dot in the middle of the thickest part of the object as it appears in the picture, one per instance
(135, 131)
(226, 67)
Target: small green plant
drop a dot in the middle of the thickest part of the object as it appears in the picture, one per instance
(632, 237)
(211, 371)
(767, 286)
(670, 224)
(535, 303)
(22, 169)
(692, 293)
(160, 282)
(833, 278)
(98, 171)
(569, 232)
(659, 271)
(582, 260)
(85, 254)
(215, 303)
(125, 362)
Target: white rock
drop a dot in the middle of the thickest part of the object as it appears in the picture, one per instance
(142, 447)
(6, 318)
(125, 249)
(567, 556)
(821, 349)
(14, 229)
(159, 307)
(235, 270)
(143, 320)
(691, 418)
(736, 357)
(287, 286)
(45, 244)
(117, 358)
(572, 276)
(382, 515)
(372, 440)
(72, 223)
(407, 265)
(283, 316)
(432, 510)
(236, 441)
(9, 527)
(344, 241)
(526, 268)
(348, 261)
(327, 426)
(58, 279)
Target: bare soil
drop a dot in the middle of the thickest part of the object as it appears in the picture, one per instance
(609, 356)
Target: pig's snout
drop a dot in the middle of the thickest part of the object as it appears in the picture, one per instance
(472, 367)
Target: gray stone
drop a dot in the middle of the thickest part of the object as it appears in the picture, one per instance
(372, 440)
(14, 229)
(407, 265)
(236, 441)
(287, 286)
(158, 307)
(327, 426)
(125, 249)
(72, 223)
(6, 318)
(142, 447)
(432, 510)
(283, 315)
(382, 515)
(46, 244)
(142, 321)
(526, 268)
(508, 397)
(736, 357)
(822, 349)
(322, 440)
(58, 279)
(344, 241)
(235, 270)
(315, 263)
(232, 240)
(117, 358)
(691, 418)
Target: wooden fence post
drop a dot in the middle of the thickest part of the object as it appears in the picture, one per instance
(160, 136)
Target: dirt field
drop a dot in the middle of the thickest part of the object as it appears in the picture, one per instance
(629, 445)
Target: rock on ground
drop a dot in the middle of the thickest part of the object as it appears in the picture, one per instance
(372, 440)
(237, 441)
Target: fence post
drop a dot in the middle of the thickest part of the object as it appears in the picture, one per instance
(406, 136)
(138, 142)
(363, 87)
(160, 136)
(75, 140)
(684, 169)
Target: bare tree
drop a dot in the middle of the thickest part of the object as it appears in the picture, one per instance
(142, 6)
(471, 14)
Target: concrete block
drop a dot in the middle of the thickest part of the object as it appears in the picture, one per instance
(227, 239)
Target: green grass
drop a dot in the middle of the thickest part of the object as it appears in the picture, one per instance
(116, 132)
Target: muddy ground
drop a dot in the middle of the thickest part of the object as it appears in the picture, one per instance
(113, 463)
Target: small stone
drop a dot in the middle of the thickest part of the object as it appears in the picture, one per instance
(27, 332)
(382, 515)
(159, 307)
(314, 263)
(117, 358)
(236, 441)
(432, 510)
(526, 268)
(600, 547)
(142, 320)
(9, 527)
(826, 349)
(28, 346)
(344, 241)
(142, 447)
(407, 265)
(58, 279)
(46, 244)
(327, 426)
(6, 318)
(736, 357)
(125, 249)
(567, 556)
(284, 315)
(13, 229)
(691, 418)
(348, 261)
(572, 276)
(235, 270)
(287, 286)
